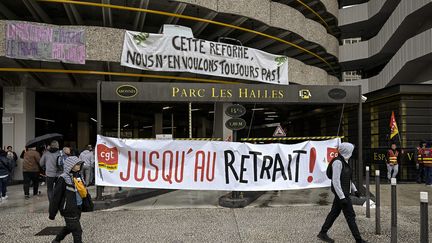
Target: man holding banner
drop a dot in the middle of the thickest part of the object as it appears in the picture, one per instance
(339, 171)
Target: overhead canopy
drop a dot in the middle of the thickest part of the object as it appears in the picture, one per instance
(239, 93)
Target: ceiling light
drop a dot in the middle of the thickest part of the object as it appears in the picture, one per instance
(273, 116)
(126, 125)
(91, 118)
(147, 127)
(269, 119)
(195, 109)
(211, 112)
(166, 107)
(258, 109)
(43, 119)
(269, 112)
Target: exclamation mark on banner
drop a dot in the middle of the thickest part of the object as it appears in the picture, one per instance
(312, 160)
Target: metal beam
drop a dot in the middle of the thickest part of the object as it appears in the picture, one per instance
(199, 27)
(266, 42)
(6, 12)
(140, 16)
(76, 14)
(108, 69)
(226, 31)
(178, 10)
(106, 15)
(33, 75)
(37, 12)
(244, 38)
(69, 13)
(72, 77)
(279, 48)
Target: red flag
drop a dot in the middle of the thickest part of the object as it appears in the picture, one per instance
(393, 126)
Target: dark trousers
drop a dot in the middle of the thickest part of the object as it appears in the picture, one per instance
(50, 182)
(428, 175)
(34, 177)
(421, 174)
(73, 226)
(3, 185)
(349, 214)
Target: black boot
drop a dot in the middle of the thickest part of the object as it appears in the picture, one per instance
(325, 237)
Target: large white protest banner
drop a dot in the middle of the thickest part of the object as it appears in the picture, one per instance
(208, 165)
(157, 52)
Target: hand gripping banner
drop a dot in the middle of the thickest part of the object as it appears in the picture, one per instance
(210, 165)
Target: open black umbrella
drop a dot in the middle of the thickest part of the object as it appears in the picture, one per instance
(43, 139)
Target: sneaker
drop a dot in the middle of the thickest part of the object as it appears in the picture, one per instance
(325, 237)
(5, 197)
(27, 197)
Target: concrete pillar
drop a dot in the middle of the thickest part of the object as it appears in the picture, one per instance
(18, 121)
(83, 128)
(158, 124)
(220, 118)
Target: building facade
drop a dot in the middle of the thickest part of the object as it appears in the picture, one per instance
(55, 96)
(393, 62)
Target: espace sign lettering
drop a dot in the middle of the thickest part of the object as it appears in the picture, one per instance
(210, 165)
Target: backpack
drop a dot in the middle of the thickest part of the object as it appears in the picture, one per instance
(60, 162)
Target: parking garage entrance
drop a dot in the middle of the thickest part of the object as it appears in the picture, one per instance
(191, 110)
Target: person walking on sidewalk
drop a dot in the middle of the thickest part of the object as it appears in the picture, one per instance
(14, 158)
(427, 163)
(419, 162)
(392, 160)
(88, 157)
(339, 171)
(52, 169)
(31, 171)
(68, 199)
(5, 170)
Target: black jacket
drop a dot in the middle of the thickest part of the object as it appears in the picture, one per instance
(5, 166)
(345, 176)
(64, 200)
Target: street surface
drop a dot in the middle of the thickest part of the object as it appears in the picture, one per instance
(194, 216)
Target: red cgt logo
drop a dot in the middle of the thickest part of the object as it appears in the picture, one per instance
(331, 154)
(107, 157)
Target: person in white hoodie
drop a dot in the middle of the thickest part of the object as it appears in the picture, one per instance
(340, 173)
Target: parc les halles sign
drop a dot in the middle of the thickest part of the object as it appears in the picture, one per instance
(234, 93)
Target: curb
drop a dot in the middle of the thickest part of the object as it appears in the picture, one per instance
(248, 197)
(122, 198)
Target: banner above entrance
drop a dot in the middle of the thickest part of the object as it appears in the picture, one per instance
(239, 93)
(205, 165)
(168, 53)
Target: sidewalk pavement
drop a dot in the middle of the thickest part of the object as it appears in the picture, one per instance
(39, 204)
(286, 216)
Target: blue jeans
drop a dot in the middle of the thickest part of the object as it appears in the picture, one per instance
(428, 175)
(3, 185)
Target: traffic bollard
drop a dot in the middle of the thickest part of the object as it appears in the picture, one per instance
(393, 211)
(424, 220)
(367, 193)
(377, 203)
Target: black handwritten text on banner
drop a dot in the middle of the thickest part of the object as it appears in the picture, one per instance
(157, 52)
(209, 165)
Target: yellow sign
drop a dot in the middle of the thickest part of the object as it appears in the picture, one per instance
(305, 94)
(241, 93)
